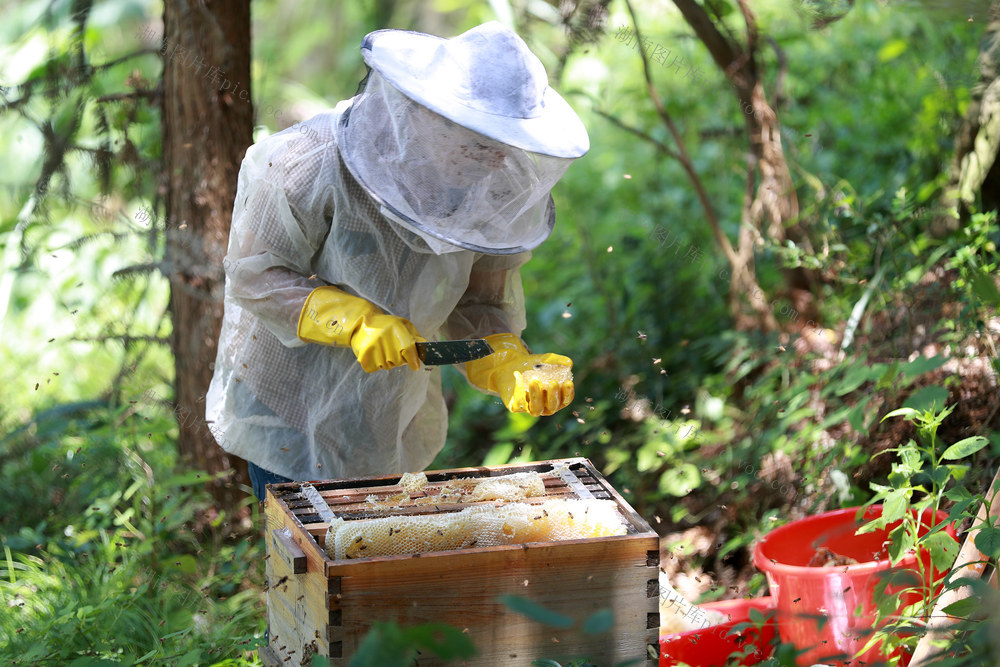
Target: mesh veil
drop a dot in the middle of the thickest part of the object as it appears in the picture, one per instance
(454, 187)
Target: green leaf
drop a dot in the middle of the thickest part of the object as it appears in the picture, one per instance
(988, 540)
(890, 375)
(900, 542)
(892, 50)
(921, 365)
(963, 608)
(958, 472)
(535, 611)
(894, 506)
(927, 397)
(957, 494)
(905, 412)
(680, 480)
(599, 622)
(984, 288)
(443, 640)
(385, 645)
(887, 604)
(910, 456)
(943, 549)
(855, 376)
(961, 506)
(189, 658)
(941, 475)
(857, 417)
(964, 448)
(545, 662)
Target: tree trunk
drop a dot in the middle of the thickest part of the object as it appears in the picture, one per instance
(975, 172)
(207, 127)
(771, 204)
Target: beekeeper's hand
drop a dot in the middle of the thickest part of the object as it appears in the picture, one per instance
(333, 317)
(539, 384)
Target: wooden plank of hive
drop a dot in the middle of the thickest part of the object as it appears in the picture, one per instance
(575, 578)
(297, 604)
(340, 605)
(269, 657)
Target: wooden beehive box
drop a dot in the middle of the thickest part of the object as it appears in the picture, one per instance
(317, 605)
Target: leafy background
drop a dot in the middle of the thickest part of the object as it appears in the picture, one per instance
(112, 551)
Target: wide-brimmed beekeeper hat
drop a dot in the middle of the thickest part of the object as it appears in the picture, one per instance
(460, 140)
(486, 80)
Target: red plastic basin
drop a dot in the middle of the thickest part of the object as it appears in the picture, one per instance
(829, 611)
(713, 645)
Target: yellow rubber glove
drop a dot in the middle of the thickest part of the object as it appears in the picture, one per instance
(539, 384)
(333, 317)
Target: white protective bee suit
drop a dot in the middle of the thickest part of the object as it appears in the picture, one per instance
(424, 194)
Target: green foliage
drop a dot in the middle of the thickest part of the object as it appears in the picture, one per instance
(920, 481)
(691, 419)
(389, 645)
(118, 558)
(599, 622)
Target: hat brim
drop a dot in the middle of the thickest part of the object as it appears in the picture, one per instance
(402, 57)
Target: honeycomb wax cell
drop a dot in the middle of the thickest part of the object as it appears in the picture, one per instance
(548, 373)
(516, 486)
(476, 526)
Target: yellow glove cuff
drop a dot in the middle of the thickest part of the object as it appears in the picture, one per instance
(331, 316)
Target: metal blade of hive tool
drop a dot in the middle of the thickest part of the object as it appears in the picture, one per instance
(442, 352)
(310, 493)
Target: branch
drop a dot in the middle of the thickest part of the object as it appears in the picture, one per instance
(662, 147)
(148, 93)
(779, 80)
(682, 154)
(752, 33)
(720, 20)
(723, 51)
(121, 59)
(126, 339)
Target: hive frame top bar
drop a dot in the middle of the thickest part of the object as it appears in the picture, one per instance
(440, 475)
(312, 495)
(306, 505)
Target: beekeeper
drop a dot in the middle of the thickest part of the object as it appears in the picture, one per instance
(403, 214)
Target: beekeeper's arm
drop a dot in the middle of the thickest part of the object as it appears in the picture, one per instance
(279, 225)
(493, 306)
